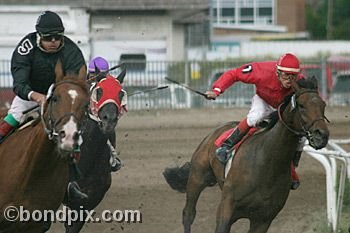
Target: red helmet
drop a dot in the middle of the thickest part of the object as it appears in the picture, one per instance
(288, 63)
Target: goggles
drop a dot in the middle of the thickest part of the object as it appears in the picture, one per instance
(285, 76)
(51, 37)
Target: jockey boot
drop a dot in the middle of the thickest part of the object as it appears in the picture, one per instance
(222, 153)
(7, 126)
(295, 178)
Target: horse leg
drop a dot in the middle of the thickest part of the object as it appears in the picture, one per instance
(75, 227)
(224, 216)
(197, 181)
(258, 225)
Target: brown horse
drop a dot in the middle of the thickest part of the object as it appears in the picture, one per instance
(258, 183)
(34, 161)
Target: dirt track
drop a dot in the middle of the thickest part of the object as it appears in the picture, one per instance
(151, 140)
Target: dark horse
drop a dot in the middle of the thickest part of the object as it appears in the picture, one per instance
(259, 180)
(34, 161)
(106, 105)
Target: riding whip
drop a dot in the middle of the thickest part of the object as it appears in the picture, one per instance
(187, 87)
(104, 73)
(148, 90)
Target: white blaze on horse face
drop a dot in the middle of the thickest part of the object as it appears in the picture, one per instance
(73, 94)
(69, 129)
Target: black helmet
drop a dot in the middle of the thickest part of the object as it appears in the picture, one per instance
(49, 22)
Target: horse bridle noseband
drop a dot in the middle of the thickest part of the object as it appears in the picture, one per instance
(50, 129)
(305, 129)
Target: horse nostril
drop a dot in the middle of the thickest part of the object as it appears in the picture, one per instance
(62, 134)
(321, 134)
(76, 136)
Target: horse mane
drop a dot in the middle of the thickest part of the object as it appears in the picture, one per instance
(72, 77)
(308, 83)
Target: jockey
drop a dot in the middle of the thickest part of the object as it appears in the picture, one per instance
(272, 80)
(102, 66)
(33, 71)
(97, 66)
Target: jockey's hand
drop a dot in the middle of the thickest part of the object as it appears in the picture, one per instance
(37, 97)
(211, 95)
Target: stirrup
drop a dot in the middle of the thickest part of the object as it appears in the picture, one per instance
(116, 164)
(222, 154)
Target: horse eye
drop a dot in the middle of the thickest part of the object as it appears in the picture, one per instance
(99, 93)
(121, 95)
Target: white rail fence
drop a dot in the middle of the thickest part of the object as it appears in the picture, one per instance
(333, 157)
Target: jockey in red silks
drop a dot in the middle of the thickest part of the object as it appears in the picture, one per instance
(273, 80)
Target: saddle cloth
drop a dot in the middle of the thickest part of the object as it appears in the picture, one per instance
(220, 140)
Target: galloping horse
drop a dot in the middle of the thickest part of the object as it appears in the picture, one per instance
(34, 161)
(95, 152)
(258, 182)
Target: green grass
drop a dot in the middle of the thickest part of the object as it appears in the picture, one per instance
(321, 225)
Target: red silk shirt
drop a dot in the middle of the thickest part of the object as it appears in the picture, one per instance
(263, 75)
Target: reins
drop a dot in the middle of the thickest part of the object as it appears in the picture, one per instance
(50, 129)
(305, 129)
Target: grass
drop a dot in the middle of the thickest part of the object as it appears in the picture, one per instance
(321, 225)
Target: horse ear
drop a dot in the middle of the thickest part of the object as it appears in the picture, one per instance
(295, 86)
(59, 71)
(314, 81)
(97, 70)
(82, 72)
(121, 76)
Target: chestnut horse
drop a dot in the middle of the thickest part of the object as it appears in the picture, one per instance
(258, 182)
(106, 106)
(34, 161)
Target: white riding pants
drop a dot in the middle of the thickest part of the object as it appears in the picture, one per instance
(18, 106)
(258, 111)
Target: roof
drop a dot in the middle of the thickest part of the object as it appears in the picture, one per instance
(119, 4)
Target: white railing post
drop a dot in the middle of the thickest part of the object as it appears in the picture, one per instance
(329, 158)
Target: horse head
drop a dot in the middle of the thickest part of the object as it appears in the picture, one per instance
(65, 110)
(309, 109)
(107, 101)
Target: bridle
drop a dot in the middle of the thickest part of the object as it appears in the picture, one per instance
(305, 128)
(96, 105)
(50, 127)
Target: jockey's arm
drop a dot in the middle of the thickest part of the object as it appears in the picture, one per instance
(37, 97)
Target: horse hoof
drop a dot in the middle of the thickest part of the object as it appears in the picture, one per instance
(295, 185)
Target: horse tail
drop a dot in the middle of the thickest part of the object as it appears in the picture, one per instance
(177, 177)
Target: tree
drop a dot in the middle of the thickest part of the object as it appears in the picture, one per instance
(316, 19)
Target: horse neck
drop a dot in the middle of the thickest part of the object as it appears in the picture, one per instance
(283, 139)
(93, 140)
(43, 165)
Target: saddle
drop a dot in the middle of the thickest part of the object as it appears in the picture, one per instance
(264, 125)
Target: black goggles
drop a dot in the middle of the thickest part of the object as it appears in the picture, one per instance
(51, 37)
